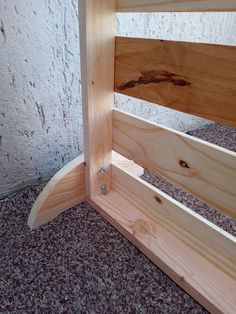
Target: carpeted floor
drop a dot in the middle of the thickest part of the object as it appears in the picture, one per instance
(80, 264)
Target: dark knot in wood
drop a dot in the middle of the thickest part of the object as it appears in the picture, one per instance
(183, 164)
(156, 77)
(157, 198)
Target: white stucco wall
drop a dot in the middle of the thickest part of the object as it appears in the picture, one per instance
(40, 100)
(40, 103)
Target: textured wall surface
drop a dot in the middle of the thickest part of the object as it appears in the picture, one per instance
(40, 100)
(40, 104)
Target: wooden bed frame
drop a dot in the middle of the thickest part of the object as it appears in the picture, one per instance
(195, 78)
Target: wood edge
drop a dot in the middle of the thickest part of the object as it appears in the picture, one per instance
(148, 40)
(153, 10)
(169, 7)
(42, 198)
(126, 164)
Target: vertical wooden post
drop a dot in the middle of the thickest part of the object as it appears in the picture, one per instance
(97, 46)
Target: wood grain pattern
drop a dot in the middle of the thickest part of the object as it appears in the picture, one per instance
(176, 5)
(200, 168)
(209, 285)
(97, 45)
(198, 233)
(198, 79)
(65, 190)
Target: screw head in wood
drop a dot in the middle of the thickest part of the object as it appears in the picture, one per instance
(104, 189)
(104, 169)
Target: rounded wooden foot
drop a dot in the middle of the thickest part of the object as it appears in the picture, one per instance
(65, 190)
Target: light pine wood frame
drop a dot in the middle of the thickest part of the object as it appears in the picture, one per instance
(196, 254)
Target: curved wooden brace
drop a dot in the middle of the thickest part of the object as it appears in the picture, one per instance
(65, 190)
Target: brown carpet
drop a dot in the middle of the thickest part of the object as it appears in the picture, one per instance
(80, 264)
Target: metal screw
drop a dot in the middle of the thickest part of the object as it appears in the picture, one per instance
(104, 169)
(104, 189)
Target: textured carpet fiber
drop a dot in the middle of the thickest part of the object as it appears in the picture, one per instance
(80, 264)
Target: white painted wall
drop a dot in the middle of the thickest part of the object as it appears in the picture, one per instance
(40, 99)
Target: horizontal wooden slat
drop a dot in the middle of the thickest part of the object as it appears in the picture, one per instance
(207, 283)
(202, 169)
(199, 79)
(198, 233)
(175, 5)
